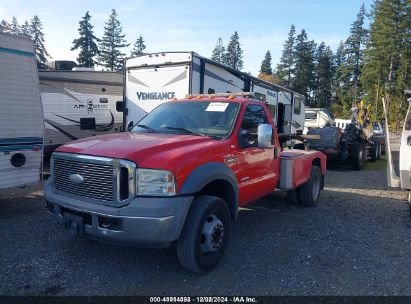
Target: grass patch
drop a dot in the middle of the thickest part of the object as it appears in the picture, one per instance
(378, 165)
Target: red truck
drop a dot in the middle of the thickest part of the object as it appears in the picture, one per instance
(180, 174)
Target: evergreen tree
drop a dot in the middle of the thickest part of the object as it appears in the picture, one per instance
(285, 69)
(218, 52)
(387, 62)
(303, 81)
(342, 82)
(36, 31)
(324, 72)
(234, 54)
(87, 43)
(15, 27)
(354, 48)
(266, 64)
(110, 56)
(138, 48)
(25, 30)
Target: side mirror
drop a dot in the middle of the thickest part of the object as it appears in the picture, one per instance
(265, 136)
(130, 125)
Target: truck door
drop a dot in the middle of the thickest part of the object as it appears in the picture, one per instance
(257, 172)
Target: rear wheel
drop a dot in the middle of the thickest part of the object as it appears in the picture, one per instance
(309, 193)
(374, 151)
(379, 150)
(205, 234)
(357, 156)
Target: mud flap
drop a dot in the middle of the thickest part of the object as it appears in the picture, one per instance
(74, 223)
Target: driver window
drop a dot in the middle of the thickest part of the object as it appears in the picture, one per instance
(254, 115)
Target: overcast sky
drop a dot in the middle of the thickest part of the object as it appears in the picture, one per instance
(193, 25)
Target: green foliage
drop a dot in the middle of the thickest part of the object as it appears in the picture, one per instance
(87, 43)
(233, 56)
(324, 72)
(138, 48)
(218, 52)
(110, 56)
(387, 63)
(285, 70)
(304, 81)
(266, 65)
(36, 33)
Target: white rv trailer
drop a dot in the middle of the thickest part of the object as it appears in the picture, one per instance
(405, 151)
(153, 79)
(79, 104)
(21, 114)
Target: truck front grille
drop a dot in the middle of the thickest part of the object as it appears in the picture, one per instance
(98, 179)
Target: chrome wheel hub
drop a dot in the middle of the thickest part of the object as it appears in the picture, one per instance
(212, 234)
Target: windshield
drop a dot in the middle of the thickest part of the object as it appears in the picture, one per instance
(310, 115)
(202, 118)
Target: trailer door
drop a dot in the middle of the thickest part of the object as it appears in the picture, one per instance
(147, 88)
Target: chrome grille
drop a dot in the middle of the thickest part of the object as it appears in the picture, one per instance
(98, 178)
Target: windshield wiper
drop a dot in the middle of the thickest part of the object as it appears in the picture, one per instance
(147, 128)
(185, 130)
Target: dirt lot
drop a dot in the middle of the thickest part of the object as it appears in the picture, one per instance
(356, 242)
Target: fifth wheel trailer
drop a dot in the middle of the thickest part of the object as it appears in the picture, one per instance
(21, 114)
(78, 104)
(153, 79)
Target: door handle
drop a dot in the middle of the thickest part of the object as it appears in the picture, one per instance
(409, 140)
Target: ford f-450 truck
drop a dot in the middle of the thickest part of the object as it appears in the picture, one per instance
(179, 175)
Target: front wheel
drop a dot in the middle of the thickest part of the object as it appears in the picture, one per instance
(310, 191)
(205, 234)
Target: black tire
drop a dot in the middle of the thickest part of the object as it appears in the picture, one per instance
(379, 150)
(374, 152)
(309, 192)
(206, 212)
(357, 156)
(293, 196)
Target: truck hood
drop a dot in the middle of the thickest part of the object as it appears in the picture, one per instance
(138, 147)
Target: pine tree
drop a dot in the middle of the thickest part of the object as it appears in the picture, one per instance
(15, 27)
(25, 30)
(36, 30)
(266, 65)
(354, 48)
(87, 43)
(324, 72)
(234, 54)
(218, 52)
(285, 69)
(110, 56)
(303, 81)
(387, 62)
(138, 48)
(342, 82)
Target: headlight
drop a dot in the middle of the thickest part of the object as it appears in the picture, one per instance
(155, 183)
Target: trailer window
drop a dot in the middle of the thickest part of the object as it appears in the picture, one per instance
(211, 91)
(408, 122)
(259, 96)
(297, 105)
(273, 110)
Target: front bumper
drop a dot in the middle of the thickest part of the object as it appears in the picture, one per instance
(146, 221)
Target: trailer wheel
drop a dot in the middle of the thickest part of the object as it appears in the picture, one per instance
(205, 234)
(309, 193)
(379, 150)
(357, 156)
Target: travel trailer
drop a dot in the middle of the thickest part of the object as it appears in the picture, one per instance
(79, 103)
(153, 79)
(405, 151)
(318, 118)
(21, 117)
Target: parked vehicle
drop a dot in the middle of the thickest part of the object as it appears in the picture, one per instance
(318, 118)
(405, 151)
(355, 143)
(21, 114)
(180, 174)
(378, 132)
(153, 79)
(79, 103)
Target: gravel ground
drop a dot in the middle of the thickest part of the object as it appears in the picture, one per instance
(356, 242)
